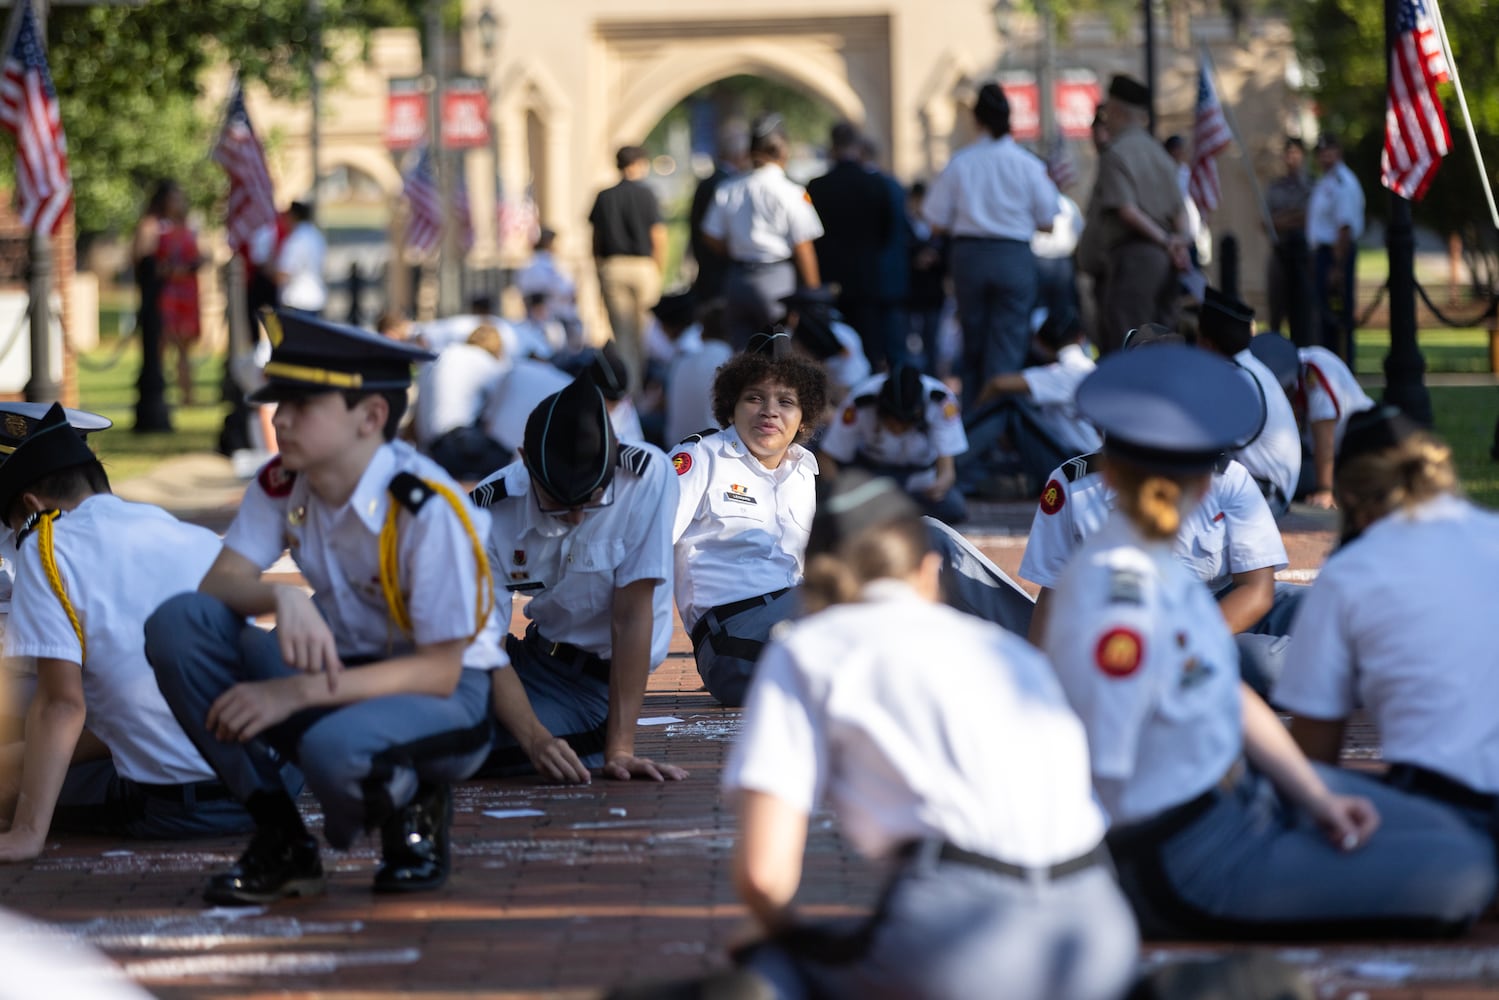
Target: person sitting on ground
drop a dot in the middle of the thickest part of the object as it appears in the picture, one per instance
(700, 348)
(581, 523)
(1324, 394)
(1406, 648)
(1219, 825)
(377, 682)
(1029, 414)
(745, 506)
(80, 600)
(968, 776)
(538, 335)
(451, 393)
(907, 426)
(607, 371)
(818, 329)
(515, 396)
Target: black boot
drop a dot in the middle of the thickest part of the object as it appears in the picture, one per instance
(414, 843)
(277, 863)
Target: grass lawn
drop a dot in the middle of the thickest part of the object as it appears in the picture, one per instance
(1446, 350)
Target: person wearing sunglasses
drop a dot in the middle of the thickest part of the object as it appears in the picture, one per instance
(582, 525)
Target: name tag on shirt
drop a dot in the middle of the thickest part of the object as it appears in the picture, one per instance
(739, 494)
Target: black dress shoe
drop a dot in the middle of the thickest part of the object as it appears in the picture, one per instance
(275, 865)
(414, 843)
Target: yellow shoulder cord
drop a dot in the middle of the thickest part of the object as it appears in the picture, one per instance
(390, 577)
(49, 565)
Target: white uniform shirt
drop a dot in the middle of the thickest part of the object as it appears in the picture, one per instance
(451, 390)
(437, 334)
(689, 384)
(338, 551)
(1329, 391)
(516, 394)
(542, 276)
(572, 572)
(538, 340)
(1066, 230)
(741, 529)
(1054, 389)
(625, 420)
(977, 747)
(301, 260)
(1149, 666)
(992, 188)
(1412, 647)
(761, 216)
(849, 366)
(1337, 201)
(118, 562)
(1231, 531)
(1274, 456)
(858, 432)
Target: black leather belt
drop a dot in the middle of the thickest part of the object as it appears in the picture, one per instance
(186, 794)
(942, 850)
(724, 612)
(758, 265)
(591, 664)
(1435, 785)
(1166, 824)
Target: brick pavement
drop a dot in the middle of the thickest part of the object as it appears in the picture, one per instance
(560, 892)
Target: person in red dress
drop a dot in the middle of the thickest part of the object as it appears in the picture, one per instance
(177, 263)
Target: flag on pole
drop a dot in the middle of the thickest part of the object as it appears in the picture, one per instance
(251, 214)
(29, 111)
(1415, 126)
(424, 225)
(1210, 136)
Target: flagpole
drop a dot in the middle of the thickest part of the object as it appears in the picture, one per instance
(1233, 126)
(1462, 102)
(1404, 367)
(43, 386)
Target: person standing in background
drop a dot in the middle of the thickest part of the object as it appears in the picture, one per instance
(1334, 222)
(629, 247)
(299, 266)
(1286, 274)
(712, 266)
(893, 291)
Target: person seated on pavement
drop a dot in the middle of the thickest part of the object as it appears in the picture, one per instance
(968, 777)
(747, 495)
(515, 397)
(1272, 450)
(1324, 394)
(1220, 827)
(377, 684)
(907, 426)
(700, 347)
(607, 370)
(582, 524)
(819, 330)
(450, 398)
(1024, 421)
(80, 600)
(1407, 648)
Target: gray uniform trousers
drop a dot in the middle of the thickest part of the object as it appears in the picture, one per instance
(568, 693)
(752, 297)
(948, 931)
(1250, 865)
(730, 647)
(362, 761)
(974, 585)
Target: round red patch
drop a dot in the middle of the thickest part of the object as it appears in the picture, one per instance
(1120, 652)
(276, 480)
(1053, 498)
(850, 414)
(682, 462)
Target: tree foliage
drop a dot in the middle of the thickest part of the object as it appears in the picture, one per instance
(129, 80)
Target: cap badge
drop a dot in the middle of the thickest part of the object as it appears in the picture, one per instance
(15, 425)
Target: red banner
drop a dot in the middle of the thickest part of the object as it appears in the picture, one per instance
(1075, 95)
(1025, 105)
(405, 114)
(465, 114)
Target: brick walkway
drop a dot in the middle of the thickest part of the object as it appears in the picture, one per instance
(560, 892)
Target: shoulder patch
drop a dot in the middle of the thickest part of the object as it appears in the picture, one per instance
(950, 409)
(695, 438)
(1053, 498)
(1083, 465)
(637, 460)
(1126, 586)
(1119, 652)
(410, 491)
(487, 494)
(681, 462)
(276, 479)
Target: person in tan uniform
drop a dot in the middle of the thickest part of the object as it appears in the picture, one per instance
(1142, 219)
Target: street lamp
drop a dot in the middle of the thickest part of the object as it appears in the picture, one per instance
(489, 29)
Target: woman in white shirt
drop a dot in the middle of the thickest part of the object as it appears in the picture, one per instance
(945, 747)
(747, 494)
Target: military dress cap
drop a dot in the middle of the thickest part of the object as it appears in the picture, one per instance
(1370, 432)
(774, 342)
(815, 314)
(902, 397)
(1172, 408)
(1225, 321)
(678, 309)
(570, 449)
(1279, 355)
(609, 372)
(1151, 335)
(1129, 90)
(852, 503)
(311, 355)
(51, 443)
(18, 421)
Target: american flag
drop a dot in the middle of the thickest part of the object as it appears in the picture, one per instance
(1060, 166)
(424, 225)
(1415, 126)
(252, 203)
(1210, 136)
(28, 111)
